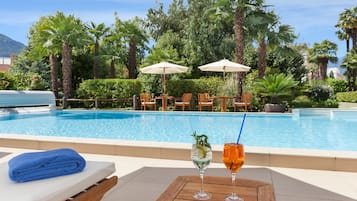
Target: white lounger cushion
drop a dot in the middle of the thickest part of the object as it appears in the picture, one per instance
(53, 189)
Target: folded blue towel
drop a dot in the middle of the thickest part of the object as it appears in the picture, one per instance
(46, 164)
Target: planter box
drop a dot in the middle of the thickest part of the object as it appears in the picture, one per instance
(274, 108)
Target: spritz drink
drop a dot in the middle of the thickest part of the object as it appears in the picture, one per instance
(233, 159)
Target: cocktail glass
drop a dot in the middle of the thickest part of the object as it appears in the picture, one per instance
(233, 159)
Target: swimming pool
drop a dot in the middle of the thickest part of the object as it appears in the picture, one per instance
(326, 131)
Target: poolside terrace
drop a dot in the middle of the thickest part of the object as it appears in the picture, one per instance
(142, 178)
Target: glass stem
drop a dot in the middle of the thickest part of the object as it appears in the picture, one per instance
(234, 184)
(202, 172)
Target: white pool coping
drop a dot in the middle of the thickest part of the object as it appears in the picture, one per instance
(260, 156)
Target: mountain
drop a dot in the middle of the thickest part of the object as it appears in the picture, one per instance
(9, 46)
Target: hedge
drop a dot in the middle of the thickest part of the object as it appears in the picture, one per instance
(347, 96)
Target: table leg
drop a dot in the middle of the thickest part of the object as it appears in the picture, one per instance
(223, 104)
(164, 103)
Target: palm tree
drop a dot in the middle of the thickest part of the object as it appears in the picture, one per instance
(238, 9)
(136, 37)
(321, 54)
(275, 86)
(347, 23)
(37, 40)
(350, 63)
(269, 34)
(114, 50)
(98, 31)
(67, 32)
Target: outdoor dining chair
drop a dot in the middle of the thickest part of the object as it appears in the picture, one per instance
(204, 100)
(146, 100)
(245, 102)
(184, 101)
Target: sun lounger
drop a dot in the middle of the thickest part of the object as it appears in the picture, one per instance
(89, 185)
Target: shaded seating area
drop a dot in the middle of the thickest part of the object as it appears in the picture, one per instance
(245, 103)
(184, 101)
(146, 100)
(204, 100)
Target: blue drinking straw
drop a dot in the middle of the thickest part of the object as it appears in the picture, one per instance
(241, 128)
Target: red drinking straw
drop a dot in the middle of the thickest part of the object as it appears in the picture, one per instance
(241, 128)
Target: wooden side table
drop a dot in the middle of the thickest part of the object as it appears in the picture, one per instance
(184, 187)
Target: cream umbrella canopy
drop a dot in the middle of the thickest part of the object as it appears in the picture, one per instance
(164, 68)
(224, 66)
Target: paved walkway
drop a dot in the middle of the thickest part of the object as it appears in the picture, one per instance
(145, 179)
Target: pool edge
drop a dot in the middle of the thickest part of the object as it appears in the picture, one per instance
(260, 156)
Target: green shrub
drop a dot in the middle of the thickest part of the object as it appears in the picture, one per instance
(326, 104)
(347, 97)
(306, 102)
(302, 102)
(210, 85)
(338, 85)
(110, 88)
(321, 93)
(6, 81)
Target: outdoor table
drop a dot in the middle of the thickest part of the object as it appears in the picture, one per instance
(223, 101)
(164, 99)
(184, 187)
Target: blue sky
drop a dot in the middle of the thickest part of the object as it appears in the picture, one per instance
(313, 20)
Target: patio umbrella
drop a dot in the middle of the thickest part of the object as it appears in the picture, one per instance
(224, 66)
(164, 68)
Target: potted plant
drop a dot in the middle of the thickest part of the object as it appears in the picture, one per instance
(274, 86)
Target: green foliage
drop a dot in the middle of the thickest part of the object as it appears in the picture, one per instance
(275, 86)
(347, 96)
(321, 93)
(288, 61)
(338, 85)
(204, 85)
(325, 49)
(109, 88)
(6, 81)
(306, 102)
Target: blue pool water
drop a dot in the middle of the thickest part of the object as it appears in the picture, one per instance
(337, 131)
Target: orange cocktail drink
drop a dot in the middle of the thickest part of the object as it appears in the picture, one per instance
(233, 156)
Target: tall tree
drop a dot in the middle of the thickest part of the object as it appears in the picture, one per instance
(67, 32)
(98, 32)
(136, 37)
(347, 23)
(114, 50)
(237, 9)
(38, 38)
(350, 63)
(321, 54)
(270, 34)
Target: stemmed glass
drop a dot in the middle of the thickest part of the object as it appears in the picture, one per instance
(233, 159)
(201, 155)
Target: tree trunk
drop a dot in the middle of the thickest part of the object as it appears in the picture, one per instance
(322, 63)
(96, 60)
(239, 42)
(354, 38)
(262, 58)
(112, 69)
(54, 74)
(348, 45)
(132, 59)
(67, 72)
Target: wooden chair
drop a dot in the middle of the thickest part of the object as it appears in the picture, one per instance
(246, 102)
(146, 100)
(184, 101)
(204, 100)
